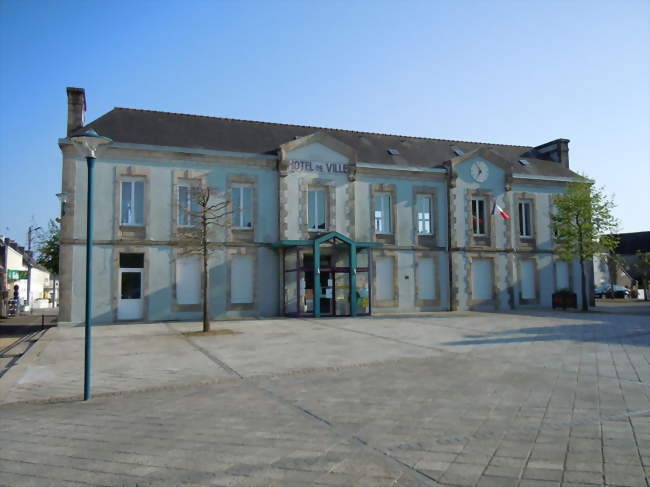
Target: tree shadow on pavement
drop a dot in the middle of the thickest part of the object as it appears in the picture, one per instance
(635, 333)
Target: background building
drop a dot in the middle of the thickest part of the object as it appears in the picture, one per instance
(14, 270)
(322, 222)
(621, 268)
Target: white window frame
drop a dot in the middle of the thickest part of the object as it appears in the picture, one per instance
(238, 216)
(131, 219)
(383, 210)
(424, 217)
(525, 218)
(314, 225)
(476, 223)
(191, 204)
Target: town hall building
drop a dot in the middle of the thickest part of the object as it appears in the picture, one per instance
(320, 222)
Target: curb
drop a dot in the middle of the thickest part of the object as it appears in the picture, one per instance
(9, 379)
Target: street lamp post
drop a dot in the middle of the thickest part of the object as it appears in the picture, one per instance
(87, 142)
(29, 265)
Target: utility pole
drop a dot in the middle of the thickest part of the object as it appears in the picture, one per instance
(29, 265)
(4, 293)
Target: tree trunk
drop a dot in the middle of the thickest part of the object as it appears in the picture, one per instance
(205, 281)
(583, 287)
(583, 280)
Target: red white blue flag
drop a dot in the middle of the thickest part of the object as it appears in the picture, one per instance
(497, 209)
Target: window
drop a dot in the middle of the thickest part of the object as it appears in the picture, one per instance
(528, 270)
(242, 206)
(241, 279)
(482, 280)
(384, 278)
(478, 216)
(188, 280)
(132, 212)
(525, 224)
(423, 204)
(187, 203)
(382, 213)
(317, 209)
(426, 281)
(562, 275)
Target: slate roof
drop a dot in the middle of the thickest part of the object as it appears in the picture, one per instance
(136, 126)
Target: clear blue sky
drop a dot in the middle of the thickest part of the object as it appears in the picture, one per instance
(497, 71)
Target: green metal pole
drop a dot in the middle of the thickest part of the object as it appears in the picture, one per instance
(316, 280)
(89, 279)
(353, 279)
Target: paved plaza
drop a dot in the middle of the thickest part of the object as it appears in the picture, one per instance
(456, 399)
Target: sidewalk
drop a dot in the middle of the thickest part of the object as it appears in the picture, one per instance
(137, 357)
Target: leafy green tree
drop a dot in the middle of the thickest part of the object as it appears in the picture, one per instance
(584, 226)
(642, 266)
(48, 248)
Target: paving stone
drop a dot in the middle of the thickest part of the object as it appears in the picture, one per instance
(538, 483)
(543, 474)
(499, 461)
(490, 481)
(462, 474)
(509, 472)
(328, 397)
(583, 477)
(624, 475)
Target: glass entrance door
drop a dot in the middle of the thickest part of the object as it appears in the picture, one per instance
(330, 277)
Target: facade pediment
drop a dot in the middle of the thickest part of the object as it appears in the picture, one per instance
(317, 147)
(489, 156)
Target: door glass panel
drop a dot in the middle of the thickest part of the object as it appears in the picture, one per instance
(343, 255)
(290, 293)
(131, 285)
(363, 293)
(131, 261)
(290, 258)
(362, 258)
(307, 258)
(327, 293)
(342, 293)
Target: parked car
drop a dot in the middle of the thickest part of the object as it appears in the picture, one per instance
(612, 291)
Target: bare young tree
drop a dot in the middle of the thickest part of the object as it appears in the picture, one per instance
(206, 210)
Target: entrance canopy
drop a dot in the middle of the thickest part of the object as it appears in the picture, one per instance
(327, 276)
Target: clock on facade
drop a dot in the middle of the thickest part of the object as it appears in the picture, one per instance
(479, 171)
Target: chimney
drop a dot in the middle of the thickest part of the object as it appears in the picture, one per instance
(76, 108)
(557, 151)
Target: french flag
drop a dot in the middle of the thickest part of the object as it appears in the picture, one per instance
(497, 209)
